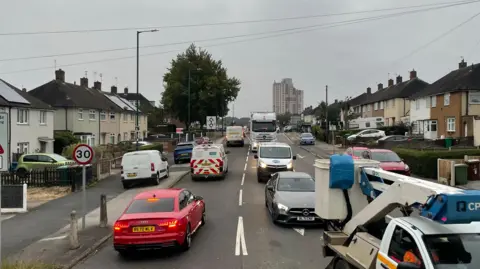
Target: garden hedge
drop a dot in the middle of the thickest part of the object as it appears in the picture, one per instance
(156, 146)
(424, 163)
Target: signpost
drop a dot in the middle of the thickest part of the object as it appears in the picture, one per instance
(211, 123)
(83, 155)
(179, 131)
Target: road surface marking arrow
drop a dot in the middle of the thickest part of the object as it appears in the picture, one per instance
(300, 156)
(300, 231)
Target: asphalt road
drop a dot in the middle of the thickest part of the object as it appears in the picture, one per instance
(239, 233)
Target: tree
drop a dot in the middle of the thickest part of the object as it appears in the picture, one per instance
(284, 119)
(211, 89)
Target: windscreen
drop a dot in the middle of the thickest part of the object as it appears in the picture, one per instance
(58, 158)
(275, 152)
(184, 146)
(454, 250)
(296, 184)
(385, 157)
(307, 135)
(151, 206)
(263, 126)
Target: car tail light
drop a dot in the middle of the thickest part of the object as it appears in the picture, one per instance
(152, 167)
(169, 224)
(220, 163)
(120, 226)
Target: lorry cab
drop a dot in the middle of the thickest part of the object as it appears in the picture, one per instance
(273, 157)
(209, 161)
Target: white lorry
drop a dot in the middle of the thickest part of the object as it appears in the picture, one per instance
(263, 128)
(439, 229)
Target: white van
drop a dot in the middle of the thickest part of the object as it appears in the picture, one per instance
(143, 165)
(235, 136)
(209, 160)
(273, 157)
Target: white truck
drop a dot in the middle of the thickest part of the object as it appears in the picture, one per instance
(263, 128)
(439, 229)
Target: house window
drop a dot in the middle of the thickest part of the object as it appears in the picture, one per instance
(43, 117)
(112, 115)
(22, 147)
(433, 125)
(368, 108)
(375, 106)
(417, 104)
(446, 99)
(112, 138)
(386, 103)
(393, 102)
(22, 116)
(92, 115)
(92, 141)
(80, 114)
(103, 116)
(433, 101)
(450, 124)
(381, 105)
(131, 117)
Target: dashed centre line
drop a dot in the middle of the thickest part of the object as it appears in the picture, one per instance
(240, 199)
(243, 179)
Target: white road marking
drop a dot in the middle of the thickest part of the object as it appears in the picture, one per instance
(240, 202)
(300, 156)
(54, 238)
(243, 179)
(300, 231)
(286, 136)
(245, 168)
(246, 160)
(240, 240)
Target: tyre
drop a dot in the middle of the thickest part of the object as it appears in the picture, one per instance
(259, 179)
(124, 254)
(167, 174)
(342, 264)
(126, 185)
(176, 161)
(187, 241)
(194, 178)
(156, 180)
(204, 217)
(242, 145)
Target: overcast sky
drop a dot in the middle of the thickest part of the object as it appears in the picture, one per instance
(348, 58)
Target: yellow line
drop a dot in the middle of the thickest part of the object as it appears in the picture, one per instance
(386, 261)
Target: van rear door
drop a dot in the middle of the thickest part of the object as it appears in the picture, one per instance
(136, 166)
(207, 161)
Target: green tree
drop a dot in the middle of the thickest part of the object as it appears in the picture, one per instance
(284, 119)
(211, 89)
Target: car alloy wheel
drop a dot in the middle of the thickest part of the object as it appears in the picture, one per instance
(188, 238)
(168, 173)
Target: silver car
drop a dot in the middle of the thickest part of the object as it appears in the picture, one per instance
(290, 198)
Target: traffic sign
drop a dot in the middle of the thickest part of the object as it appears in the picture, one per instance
(179, 130)
(83, 154)
(4, 149)
(211, 122)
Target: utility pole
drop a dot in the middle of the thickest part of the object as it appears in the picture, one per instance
(189, 78)
(327, 125)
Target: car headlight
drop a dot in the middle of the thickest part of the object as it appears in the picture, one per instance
(263, 165)
(290, 165)
(282, 208)
(407, 168)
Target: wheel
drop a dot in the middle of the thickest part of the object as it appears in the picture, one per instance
(194, 179)
(167, 174)
(21, 172)
(187, 241)
(156, 180)
(272, 215)
(126, 185)
(266, 205)
(204, 217)
(242, 145)
(342, 264)
(123, 253)
(176, 161)
(259, 179)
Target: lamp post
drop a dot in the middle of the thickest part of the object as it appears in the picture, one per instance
(137, 123)
(189, 78)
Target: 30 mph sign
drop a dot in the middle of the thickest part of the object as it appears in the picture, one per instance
(83, 154)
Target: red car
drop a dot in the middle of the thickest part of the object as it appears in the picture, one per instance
(356, 152)
(159, 219)
(389, 161)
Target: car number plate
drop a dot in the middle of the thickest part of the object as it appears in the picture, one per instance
(131, 174)
(305, 218)
(144, 229)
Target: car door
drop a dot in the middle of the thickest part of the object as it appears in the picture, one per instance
(268, 193)
(193, 208)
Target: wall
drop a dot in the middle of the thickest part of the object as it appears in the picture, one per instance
(30, 132)
(111, 127)
(127, 125)
(365, 112)
(422, 113)
(83, 126)
(143, 126)
(453, 110)
(378, 112)
(60, 116)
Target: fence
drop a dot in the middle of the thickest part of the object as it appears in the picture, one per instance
(414, 143)
(446, 169)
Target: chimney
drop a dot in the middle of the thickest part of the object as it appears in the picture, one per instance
(125, 90)
(24, 90)
(462, 64)
(413, 74)
(336, 101)
(369, 90)
(60, 75)
(97, 85)
(380, 86)
(113, 89)
(390, 82)
(399, 79)
(84, 82)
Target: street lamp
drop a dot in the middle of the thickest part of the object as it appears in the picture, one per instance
(189, 78)
(137, 125)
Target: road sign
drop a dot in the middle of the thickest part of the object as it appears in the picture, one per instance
(179, 130)
(83, 154)
(4, 149)
(211, 123)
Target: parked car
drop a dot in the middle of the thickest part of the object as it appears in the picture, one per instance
(370, 133)
(356, 152)
(28, 162)
(144, 165)
(389, 161)
(393, 139)
(159, 219)
(307, 139)
(183, 152)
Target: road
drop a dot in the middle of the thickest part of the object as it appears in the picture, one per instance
(239, 233)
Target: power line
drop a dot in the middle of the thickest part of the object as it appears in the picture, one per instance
(228, 23)
(272, 35)
(224, 37)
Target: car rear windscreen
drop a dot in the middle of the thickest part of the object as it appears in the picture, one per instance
(151, 205)
(185, 146)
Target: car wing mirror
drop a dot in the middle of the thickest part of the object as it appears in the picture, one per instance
(255, 156)
(294, 157)
(270, 187)
(198, 198)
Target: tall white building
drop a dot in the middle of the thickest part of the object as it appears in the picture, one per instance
(286, 98)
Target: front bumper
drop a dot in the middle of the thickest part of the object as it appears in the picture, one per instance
(182, 157)
(264, 172)
(292, 217)
(307, 142)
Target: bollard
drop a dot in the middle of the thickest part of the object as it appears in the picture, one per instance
(103, 211)
(73, 231)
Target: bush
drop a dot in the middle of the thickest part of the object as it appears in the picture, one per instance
(156, 146)
(424, 163)
(98, 152)
(62, 140)
(318, 132)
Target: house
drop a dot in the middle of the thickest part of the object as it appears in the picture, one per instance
(356, 108)
(31, 121)
(82, 110)
(126, 131)
(449, 107)
(144, 105)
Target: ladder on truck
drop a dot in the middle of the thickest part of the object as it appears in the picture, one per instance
(388, 190)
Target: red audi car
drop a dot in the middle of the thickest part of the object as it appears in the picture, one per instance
(389, 161)
(159, 219)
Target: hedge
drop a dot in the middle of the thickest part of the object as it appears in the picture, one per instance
(424, 163)
(156, 146)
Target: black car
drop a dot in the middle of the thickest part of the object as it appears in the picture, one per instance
(290, 198)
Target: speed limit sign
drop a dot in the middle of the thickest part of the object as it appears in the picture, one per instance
(83, 154)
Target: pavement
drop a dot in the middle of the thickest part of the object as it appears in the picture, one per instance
(239, 232)
(55, 248)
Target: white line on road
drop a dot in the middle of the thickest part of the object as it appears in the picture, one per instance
(245, 168)
(246, 160)
(286, 136)
(300, 156)
(243, 179)
(240, 202)
(300, 231)
(54, 238)
(240, 240)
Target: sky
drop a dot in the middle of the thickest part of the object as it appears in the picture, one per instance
(347, 58)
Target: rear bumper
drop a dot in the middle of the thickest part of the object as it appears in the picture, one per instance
(205, 176)
(126, 243)
(235, 142)
(152, 176)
